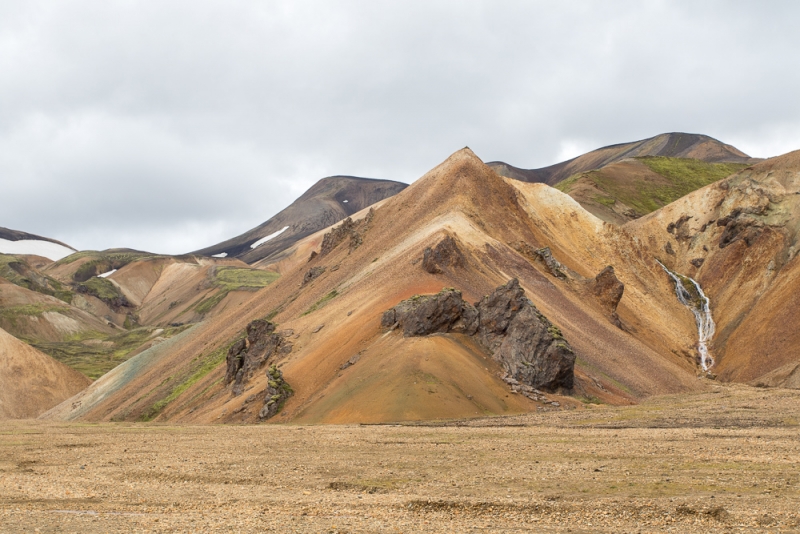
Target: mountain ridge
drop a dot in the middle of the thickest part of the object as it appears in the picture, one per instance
(675, 144)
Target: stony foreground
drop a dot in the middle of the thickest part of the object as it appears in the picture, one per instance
(722, 461)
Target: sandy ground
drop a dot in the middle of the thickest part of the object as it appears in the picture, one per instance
(722, 461)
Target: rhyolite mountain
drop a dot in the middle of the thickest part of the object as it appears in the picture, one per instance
(464, 294)
(327, 202)
(673, 145)
(411, 309)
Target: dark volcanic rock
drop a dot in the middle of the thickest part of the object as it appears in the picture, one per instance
(247, 355)
(608, 289)
(312, 274)
(739, 226)
(422, 315)
(278, 390)
(553, 265)
(348, 229)
(697, 262)
(531, 349)
(443, 255)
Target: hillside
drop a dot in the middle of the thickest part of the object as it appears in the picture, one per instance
(32, 382)
(738, 237)
(94, 309)
(344, 366)
(628, 189)
(327, 202)
(671, 145)
(17, 242)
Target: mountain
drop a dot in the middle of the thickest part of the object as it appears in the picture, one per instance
(94, 309)
(343, 364)
(671, 145)
(16, 242)
(739, 238)
(628, 189)
(327, 202)
(32, 382)
(470, 294)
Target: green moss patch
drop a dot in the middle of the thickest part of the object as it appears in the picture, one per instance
(103, 289)
(94, 354)
(19, 273)
(201, 366)
(678, 177)
(322, 302)
(229, 279)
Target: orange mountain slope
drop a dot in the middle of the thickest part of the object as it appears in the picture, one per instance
(32, 382)
(334, 317)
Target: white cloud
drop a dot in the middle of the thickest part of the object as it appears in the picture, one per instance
(126, 124)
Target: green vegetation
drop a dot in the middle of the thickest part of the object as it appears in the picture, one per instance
(243, 279)
(605, 201)
(11, 314)
(229, 279)
(103, 289)
(122, 256)
(680, 176)
(206, 305)
(94, 353)
(321, 302)
(19, 273)
(201, 366)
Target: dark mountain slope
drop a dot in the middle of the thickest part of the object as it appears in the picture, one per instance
(327, 202)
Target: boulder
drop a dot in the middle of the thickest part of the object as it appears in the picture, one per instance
(531, 350)
(312, 274)
(247, 355)
(278, 390)
(607, 288)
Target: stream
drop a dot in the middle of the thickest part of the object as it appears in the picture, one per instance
(699, 305)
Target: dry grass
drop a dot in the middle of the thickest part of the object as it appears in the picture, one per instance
(713, 462)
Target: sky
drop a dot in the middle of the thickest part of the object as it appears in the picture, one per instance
(169, 126)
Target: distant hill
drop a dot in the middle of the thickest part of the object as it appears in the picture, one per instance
(672, 145)
(327, 202)
(32, 382)
(17, 242)
(631, 188)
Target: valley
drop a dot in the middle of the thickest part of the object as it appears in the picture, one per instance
(669, 463)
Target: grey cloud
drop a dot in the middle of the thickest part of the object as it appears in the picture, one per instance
(171, 125)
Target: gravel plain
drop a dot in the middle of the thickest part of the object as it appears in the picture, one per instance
(722, 461)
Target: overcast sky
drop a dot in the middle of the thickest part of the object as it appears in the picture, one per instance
(169, 126)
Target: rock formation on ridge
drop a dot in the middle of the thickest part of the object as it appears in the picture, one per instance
(531, 350)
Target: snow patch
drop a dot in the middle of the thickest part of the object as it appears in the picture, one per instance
(107, 274)
(345, 201)
(49, 250)
(220, 255)
(267, 238)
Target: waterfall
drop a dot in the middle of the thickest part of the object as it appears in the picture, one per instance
(699, 304)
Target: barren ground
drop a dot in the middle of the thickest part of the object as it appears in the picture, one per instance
(722, 461)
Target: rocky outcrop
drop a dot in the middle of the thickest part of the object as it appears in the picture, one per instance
(312, 274)
(445, 254)
(608, 289)
(261, 345)
(739, 225)
(422, 315)
(278, 390)
(531, 350)
(349, 229)
(545, 257)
